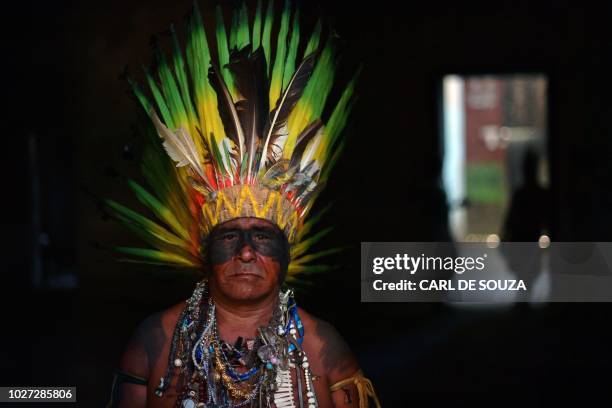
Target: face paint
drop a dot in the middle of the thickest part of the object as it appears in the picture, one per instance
(226, 243)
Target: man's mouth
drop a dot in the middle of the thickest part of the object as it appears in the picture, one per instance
(246, 274)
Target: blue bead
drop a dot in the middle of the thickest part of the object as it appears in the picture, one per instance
(269, 366)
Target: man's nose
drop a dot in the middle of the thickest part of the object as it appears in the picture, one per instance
(246, 253)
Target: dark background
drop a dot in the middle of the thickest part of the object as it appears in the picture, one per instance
(68, 57)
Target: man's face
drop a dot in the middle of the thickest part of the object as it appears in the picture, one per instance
(247, 256)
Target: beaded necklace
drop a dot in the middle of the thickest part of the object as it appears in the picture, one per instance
(208, 378)
(242, 355)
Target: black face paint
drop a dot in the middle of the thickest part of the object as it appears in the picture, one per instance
(225, 243)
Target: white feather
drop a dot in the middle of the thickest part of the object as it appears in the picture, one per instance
(179, 145)
(278, 146)
(311, 149)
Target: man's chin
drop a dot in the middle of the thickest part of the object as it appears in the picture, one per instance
(246, 288)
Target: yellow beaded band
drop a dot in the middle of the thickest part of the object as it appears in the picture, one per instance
(251, 201)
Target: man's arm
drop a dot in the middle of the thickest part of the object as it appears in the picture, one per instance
(339, 363)
(143, 349)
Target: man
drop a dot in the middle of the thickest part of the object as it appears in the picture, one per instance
(243, 154)
(245, 290)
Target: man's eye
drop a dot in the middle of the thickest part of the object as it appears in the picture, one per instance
(229, 237)
(261, 237)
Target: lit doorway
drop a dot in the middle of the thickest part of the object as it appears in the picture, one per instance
(492, 123)
(495, 172)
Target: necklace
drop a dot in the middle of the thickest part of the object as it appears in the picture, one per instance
(242, 355)
(208, 377)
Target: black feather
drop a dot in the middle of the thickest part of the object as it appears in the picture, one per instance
(249, 72)
(276, 126)
(227, 110)
(302, 141)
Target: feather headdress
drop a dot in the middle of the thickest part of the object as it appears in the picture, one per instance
(238, 134)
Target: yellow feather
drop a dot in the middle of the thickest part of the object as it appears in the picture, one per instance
(299, 118)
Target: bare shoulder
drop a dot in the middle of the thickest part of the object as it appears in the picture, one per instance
(146, 344)
(329, 347)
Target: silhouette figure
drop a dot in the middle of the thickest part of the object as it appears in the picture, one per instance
(526, 220)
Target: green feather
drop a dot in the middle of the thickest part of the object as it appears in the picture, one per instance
(219, 158)
(233, 37)
(257, 27)
(338, 118)
(163, 176)
(293, 46)
(244, 166)
(144, 101)
(239, 35)
(276, 81)
(181, 75)
(228, 160)
(335, 125)
(331, 162)
(313, 43)
(296, 282)
(159, 244)
(321, 81)
(171, 92)
(126, 215)
(312, 221)
(198, 60)
(157, 256)
(267, 31)
(223, 51)
(310, 105)
(160, 100)
(311, 257)
(242, 34)
(309, 269)
(161, 211)
(300, 248)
